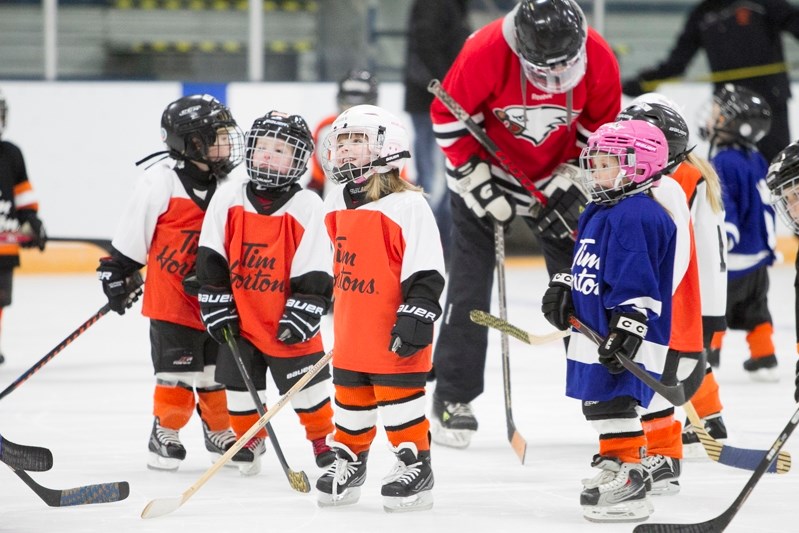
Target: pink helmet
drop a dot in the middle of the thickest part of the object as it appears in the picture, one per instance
(641, 153)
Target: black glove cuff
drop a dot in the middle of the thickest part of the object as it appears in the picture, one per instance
(632, 323)
(309, 304)
(562, 279)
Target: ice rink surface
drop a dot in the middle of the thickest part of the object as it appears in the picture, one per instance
(91, 405)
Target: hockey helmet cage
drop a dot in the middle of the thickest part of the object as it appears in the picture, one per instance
(279, 147)
(362, 141)
(670, 122)
(739, 115)
(783, 183)
(3, 113)
(358, 87)
(550, 41)
(623, 158)
(190, 126)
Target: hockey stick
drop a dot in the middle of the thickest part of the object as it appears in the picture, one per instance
(21, 457)
(16, 237)
(88, 494)
(490, 321)
(517, 442)
(721, 522)
(163, 506)
(66, 342)
(731, 456)
(297, 480)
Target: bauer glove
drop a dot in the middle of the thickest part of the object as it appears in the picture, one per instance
(566, 199)
(217, 310)
(627, 332)
(413, 329)
(120, 279)
(557, 301)
(475, 185)
(301, 317)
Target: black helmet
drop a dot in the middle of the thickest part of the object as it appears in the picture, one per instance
(783, 182)
(356, 88)
(668, 121)
(269, 162)
(189, 128)
(551, 34)
(742, 116)
(3, 113)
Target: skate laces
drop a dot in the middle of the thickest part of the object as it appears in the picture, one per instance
(652, 462)
(167, 436)
(610, 475)
(403, 473)
(341, 470)
(221, 439)
(459, 409)
(320, 446)
(256, 445)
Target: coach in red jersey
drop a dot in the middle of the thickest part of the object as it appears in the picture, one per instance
(539, 81)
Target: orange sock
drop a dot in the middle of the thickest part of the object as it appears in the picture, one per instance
(317, 423)
(663, 434)
(759, 339)
(706, 401)
(173, 405)
(213, 409)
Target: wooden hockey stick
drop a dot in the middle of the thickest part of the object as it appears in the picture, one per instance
(163, 506)
(517, 441)
(297, 480)
(490, 321)
(720, 523)
(22, 457)
(88, 494)
(66, 342)
(743, 458)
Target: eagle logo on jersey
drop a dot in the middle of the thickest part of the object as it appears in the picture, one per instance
(540, 123)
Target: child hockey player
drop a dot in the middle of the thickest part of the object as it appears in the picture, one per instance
(388, 268)
(264, 266)
(621, 286)
(739, 119)
(161, 226)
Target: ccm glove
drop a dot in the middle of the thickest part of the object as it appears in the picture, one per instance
(31, 226)
(413, 329)
(627, 332)
(483, 196)
(557, 302)
(301, 317)
(120, 281)
(217, 310)
(566, 199)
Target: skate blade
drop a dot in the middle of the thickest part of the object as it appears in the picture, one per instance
(453, 438)
(764, 375)
(216, 456)
(348, 497)
(669, 487)
(247, 468)
(694, 451)
(418, 502)
(629, 511)
(165, 464)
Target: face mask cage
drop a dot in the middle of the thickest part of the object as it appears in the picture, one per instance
(558, 77)
(224, 148)
(349, 153)
(605, 173)
(785, 199)
(276, 158)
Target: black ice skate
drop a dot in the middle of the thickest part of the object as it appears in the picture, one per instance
(218, 442)
(409, 485)
(616, 494)
(452, 423)
(691, 447)
(248, 458)
(166, 451)
(322, 452)
(341, 482)
(662, 475)
(762, 368)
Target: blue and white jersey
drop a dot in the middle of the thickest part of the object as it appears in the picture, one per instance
(623, 262)
(749, 218)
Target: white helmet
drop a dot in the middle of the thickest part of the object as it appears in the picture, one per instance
(382, 138)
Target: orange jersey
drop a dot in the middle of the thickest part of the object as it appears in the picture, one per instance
(161, 229)
(267, 255)
(377, 247)
(16, 193)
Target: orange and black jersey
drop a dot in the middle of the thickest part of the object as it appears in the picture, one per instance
(266, 245)
(16, 194)
(161, 228)
(384, 252)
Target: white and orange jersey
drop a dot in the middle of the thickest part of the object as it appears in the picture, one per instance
(711, 245)
(160, 228)
(269, 257)
(686, 316)
(380, 250)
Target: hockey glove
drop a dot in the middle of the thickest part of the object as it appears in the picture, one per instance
(191, 285)
(32, 228)
(474, 184)
(120, 281)
(557, 301)
(627, 332)
(413, 329)
(301, 317)
(217, 310)
(566, 199)
(796, 392)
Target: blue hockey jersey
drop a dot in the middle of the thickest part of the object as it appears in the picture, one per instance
(623, 262)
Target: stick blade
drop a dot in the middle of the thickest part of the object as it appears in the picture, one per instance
(161, 507)
(298, 480)
(23, 457)
(519, 445)
(711, 526)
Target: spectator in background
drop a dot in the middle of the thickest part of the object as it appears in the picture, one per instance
(742, 40)
(19, 221)
(437, 30)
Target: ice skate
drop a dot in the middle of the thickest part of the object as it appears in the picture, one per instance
(691, 446)
(409, 485)
(248, 458)
(341, 482)
(218, 442)
(166, 450)
(323, 454)
(452, 423)
(763, 369)
(662, 475)
(616, 494)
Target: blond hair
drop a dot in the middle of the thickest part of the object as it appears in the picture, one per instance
(711, 178)
(381, 184)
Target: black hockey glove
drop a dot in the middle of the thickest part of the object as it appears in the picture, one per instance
(120, 281)
(413, 329)
(31, 227)
(301, 317)
(191, 285)
(483, 196)
(217, 310)
(566, 199)
(557, 301)
(627, 332)
(796, 392)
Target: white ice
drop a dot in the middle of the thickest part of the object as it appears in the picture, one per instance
(91, 405)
